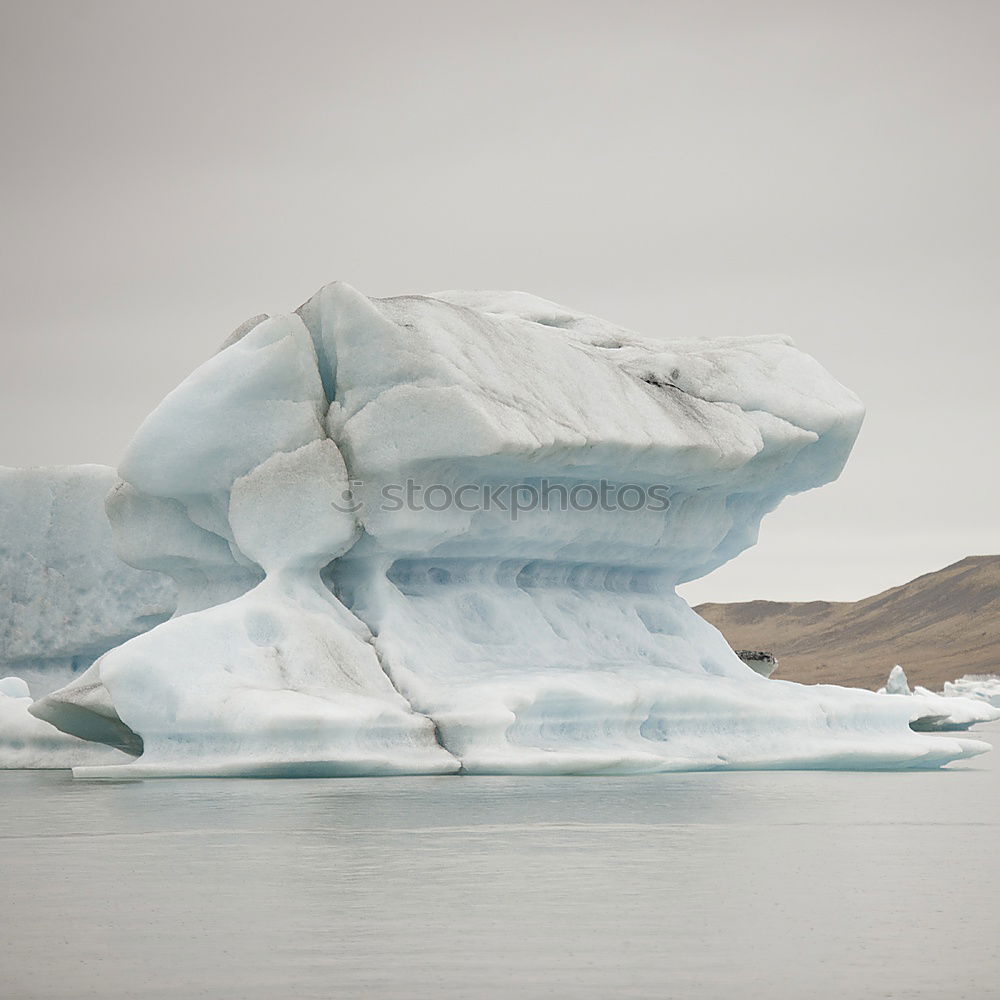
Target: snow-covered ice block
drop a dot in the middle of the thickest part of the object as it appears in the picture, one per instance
(984, 687)
(930, 712)
(502, 495)
(896, 683)
(65, 597)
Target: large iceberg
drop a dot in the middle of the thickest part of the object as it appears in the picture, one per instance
(439, 533)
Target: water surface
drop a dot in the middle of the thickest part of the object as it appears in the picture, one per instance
(736, 885)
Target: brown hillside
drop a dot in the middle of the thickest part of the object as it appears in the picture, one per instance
(939, 626)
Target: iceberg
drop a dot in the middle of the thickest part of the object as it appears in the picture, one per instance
(65, 599)
(65, 596)
(932, 712)
(984, 687)
(896, 683)
(442, 533)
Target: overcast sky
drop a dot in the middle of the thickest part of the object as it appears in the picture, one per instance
(823, 170)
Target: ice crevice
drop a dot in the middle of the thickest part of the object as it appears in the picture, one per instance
(316, 639)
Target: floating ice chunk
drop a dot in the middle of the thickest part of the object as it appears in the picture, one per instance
(65, 598)
(931, 712)
(984, 687)
(948, 714)
(896, 683)
(527, 637)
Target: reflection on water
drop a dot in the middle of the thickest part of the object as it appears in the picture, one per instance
(768, 884)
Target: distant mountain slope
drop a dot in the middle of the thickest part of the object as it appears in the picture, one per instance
(938, 626)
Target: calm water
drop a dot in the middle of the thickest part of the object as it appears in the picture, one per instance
(738, 885)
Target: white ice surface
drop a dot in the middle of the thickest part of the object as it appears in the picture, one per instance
(930, 712)
(552, 642)
(983, 687)
(280, 679)
(896, 683)
(65, 597)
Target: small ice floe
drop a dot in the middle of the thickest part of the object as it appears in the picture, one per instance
(984, 687)
(936, 712)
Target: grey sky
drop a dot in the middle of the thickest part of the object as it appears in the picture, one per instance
(824, 170)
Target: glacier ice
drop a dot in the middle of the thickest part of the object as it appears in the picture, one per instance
(932, 712)
(65, 597)
(896, 683)
(334, 619)
(984, 687)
